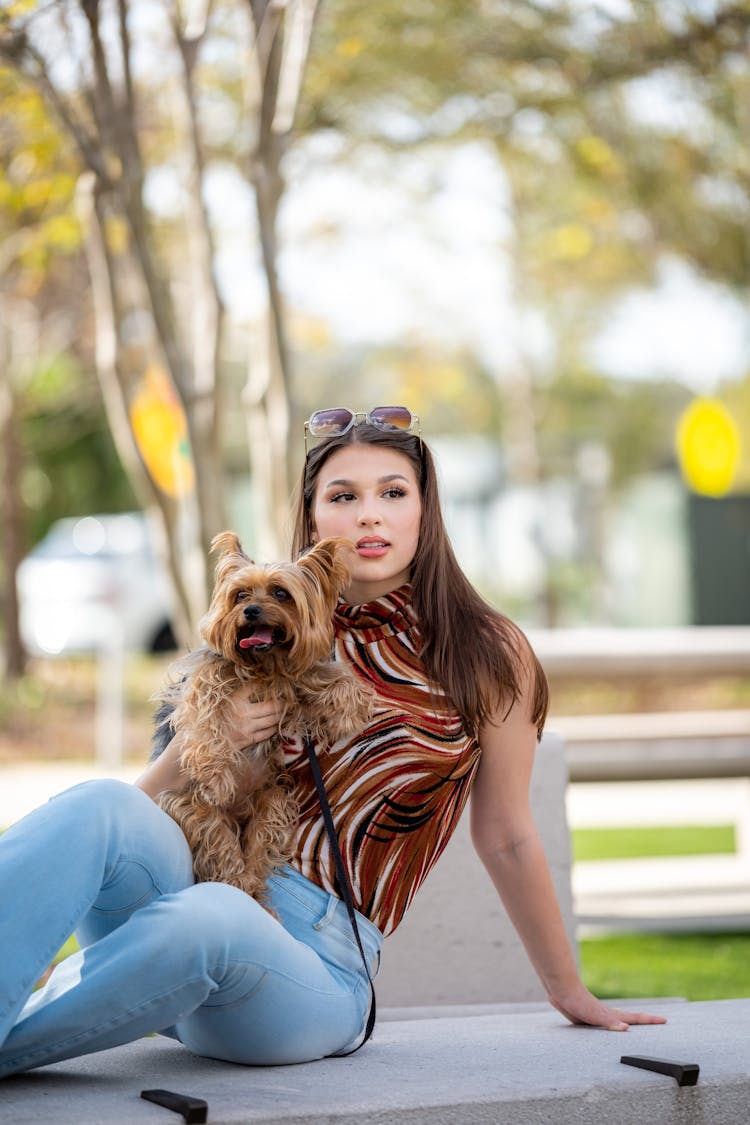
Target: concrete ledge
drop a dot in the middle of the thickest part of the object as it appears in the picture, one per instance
(658, 745)
(606, 653)
(524, 1068)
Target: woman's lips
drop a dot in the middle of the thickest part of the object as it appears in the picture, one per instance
(372, 548)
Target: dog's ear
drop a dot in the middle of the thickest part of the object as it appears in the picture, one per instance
(329, 562)
(231, 556)
(227, 543)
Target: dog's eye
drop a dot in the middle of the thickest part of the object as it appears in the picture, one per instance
(241, 595)
(280, 594)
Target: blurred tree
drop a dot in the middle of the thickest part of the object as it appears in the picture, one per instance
(633, 419)
(38, 243)
(622, 134)
(159, 313)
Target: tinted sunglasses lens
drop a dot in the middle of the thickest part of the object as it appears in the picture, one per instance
(328, 423)
(392, 417)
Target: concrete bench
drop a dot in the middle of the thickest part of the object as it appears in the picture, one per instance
(525, 1067)
(642, 747)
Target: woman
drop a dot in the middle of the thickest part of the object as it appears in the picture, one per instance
(461, 701)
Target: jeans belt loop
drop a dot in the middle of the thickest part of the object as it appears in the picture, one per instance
(333, 902)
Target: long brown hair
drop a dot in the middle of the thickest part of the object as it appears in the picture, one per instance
(477, 655)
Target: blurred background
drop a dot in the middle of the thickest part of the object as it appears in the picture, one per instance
(527, 221)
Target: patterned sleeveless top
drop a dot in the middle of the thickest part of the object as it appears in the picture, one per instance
(397, 789)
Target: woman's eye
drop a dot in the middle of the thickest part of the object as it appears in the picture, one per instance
(280, 594)
(394, 493)
(341, 496)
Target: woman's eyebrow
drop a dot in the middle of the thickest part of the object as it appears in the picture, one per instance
(340, 482)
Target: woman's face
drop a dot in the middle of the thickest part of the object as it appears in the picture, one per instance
(369, 494)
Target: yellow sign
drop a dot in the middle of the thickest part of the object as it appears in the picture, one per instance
(160, 430)
(708, 446)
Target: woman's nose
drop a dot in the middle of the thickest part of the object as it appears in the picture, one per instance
(368, 516)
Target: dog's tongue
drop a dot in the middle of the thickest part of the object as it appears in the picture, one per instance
(261, 636)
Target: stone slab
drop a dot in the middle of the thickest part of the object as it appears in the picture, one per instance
(523, 1068)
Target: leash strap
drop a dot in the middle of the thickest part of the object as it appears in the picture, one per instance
(343, 880)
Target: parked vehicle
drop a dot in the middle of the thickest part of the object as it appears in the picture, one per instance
(95, 582)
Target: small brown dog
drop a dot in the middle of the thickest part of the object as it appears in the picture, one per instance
(268, 628)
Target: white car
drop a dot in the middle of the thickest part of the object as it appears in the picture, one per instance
(94, 583)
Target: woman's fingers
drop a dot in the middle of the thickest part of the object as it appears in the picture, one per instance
(585, 1009)
(639, 1017)
(253, 721)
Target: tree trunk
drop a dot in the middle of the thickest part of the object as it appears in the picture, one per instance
(112, 380)
(266, 393)
(282, 42)
(13, 524)
(205, 319)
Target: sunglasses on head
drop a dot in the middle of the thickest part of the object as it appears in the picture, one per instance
(338, 420)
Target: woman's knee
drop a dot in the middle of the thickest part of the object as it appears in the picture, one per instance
(214, 915)
(112, 804)
(103, 795)
(141, 853)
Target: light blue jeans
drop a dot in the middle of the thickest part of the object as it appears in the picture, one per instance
(201, 962)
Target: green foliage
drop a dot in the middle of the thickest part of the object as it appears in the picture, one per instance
(71, 467)
(37, 185)
(634, 420)
(451, 389)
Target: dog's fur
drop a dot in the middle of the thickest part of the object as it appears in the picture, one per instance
(269, 629)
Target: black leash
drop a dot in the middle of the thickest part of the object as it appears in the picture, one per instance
(343, 879)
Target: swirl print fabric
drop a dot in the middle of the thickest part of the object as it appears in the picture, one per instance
(396, 789)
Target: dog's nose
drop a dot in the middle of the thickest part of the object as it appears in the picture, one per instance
(252, 611)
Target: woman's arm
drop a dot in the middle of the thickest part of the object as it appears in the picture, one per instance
(507, 842)
(164, 772)
(248, 723)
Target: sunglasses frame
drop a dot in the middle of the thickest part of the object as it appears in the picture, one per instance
(366, 416)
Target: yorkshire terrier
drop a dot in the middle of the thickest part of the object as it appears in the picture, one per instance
(269, 629)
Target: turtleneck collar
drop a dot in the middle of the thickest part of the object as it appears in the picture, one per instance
(385, 616)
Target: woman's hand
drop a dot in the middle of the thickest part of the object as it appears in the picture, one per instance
(246, 724)
(582, 1008)
(249, 723)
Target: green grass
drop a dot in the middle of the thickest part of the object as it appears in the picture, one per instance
(633, 843)
(710, 966)
(702, 966)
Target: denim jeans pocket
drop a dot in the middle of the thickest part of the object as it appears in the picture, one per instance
(335, 926)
